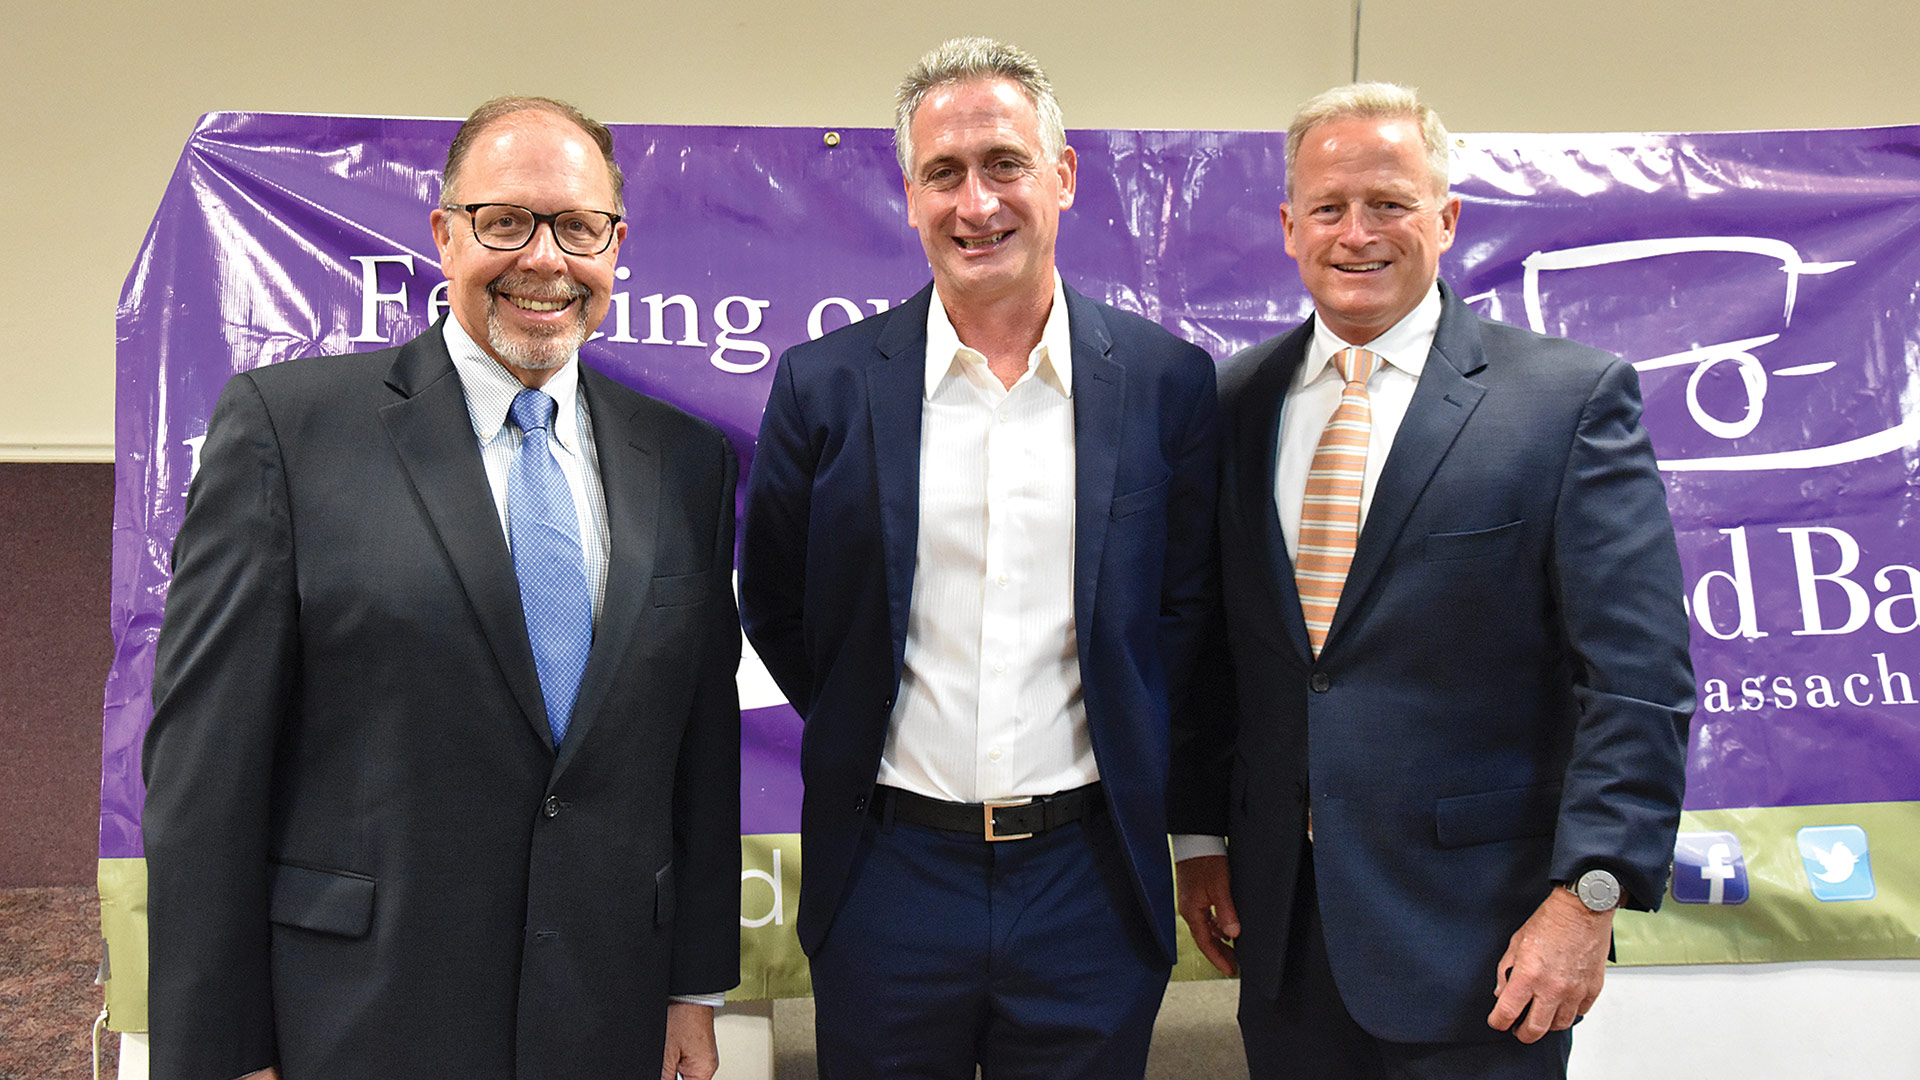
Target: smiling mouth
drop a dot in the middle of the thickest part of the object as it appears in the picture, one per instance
(528, 303)
(981, 243)
(1360, 268)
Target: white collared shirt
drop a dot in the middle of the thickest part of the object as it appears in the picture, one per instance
(1312, 397)
(1315, 393)
(990, 700)
(490, 390)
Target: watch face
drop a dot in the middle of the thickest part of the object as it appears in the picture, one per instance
(1599, 890)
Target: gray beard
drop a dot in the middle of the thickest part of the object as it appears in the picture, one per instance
(538, 354)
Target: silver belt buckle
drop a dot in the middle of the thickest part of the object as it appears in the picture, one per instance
(987, 810)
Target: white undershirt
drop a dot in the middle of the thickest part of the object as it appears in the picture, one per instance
(1312, 397)
(990, 697)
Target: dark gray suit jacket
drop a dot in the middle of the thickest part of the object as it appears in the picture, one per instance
(364, 857)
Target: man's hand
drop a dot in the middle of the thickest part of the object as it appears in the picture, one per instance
(1206, 902)
(1552, 969)
(691, 1049)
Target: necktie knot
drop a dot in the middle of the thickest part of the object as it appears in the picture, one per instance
(1356, 365)
(532, 410)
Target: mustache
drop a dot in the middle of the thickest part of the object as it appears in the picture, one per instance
(537, 288)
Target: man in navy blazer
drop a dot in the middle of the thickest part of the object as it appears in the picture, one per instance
(976, 558)
(1433, 814)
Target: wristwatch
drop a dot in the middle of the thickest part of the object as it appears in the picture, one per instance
(1597, 889)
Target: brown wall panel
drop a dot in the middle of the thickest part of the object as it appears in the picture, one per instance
(56, 524)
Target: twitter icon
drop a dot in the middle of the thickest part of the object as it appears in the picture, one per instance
(1838, 866)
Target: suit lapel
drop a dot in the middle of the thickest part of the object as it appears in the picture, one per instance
(630, 466)
(1099, 397)
(432, 433)
(1256, 454)
(896, 385)
(1442, 401)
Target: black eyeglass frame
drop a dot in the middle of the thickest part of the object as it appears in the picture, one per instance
(551, 221)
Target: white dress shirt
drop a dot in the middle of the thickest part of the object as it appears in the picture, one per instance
(1312, 397)
(990, 702)
(490, 390)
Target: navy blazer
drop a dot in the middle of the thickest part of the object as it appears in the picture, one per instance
(1503, 698)
(364, 856)
(828, 549)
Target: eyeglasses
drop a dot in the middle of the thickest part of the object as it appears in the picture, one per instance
(505, 227)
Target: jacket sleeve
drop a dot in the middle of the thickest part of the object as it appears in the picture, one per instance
(706, 810)
(226, 664)
(773, 548)
(1199, 677)
(1616, 579)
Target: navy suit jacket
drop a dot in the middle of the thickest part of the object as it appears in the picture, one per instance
(364, 856)
(828, 550)
(1503, 698)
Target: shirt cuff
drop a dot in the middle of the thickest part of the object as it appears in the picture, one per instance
(710, 1000)
(1190, 846)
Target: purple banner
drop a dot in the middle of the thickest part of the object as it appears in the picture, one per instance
(1764, 283)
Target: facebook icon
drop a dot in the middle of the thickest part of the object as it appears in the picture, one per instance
(1708, 868)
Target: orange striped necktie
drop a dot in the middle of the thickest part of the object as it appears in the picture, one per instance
(1330, 513)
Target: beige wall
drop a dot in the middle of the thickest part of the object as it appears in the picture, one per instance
(101, 96)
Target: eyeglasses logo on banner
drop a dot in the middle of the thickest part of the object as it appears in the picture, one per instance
(1723, 419)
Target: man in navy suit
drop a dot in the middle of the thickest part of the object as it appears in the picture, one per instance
(1454, 755)
(976, 558)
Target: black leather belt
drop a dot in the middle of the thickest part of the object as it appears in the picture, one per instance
(1011, 819)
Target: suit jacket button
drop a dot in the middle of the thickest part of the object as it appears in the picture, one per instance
(1322, 682)
(860, 805)
(552, 807)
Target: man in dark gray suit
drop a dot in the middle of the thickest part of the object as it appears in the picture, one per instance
(444, 766)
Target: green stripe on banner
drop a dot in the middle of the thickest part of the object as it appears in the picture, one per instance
(771, 962)
(123, 923)
(1834, 882)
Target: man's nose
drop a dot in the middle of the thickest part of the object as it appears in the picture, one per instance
(1356, 227)
(542, 251)
(978, 200)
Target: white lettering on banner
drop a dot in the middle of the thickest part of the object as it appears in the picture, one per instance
(371, 298)
(726, 340)
(657, 320)
(777, 915)
(1818, 585)
(1741, 578)
(1810, 579)
(734, 318)
(1882, 687)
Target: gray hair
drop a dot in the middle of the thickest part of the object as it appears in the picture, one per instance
(969, 59)
(1372, 101)
(500, 108)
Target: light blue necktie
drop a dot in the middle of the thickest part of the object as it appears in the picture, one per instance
(546, 557)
